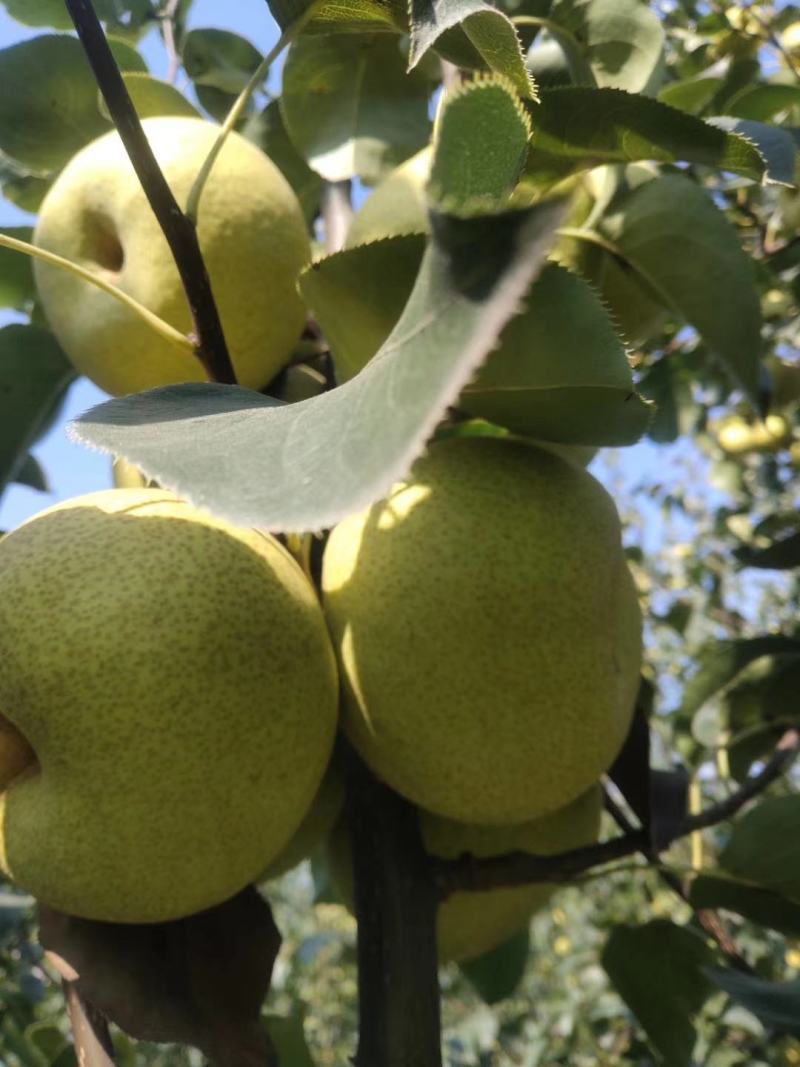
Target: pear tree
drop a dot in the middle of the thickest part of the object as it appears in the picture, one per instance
(422, 687)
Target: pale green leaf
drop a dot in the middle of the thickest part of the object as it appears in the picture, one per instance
(152, 97)
(305, 466)
(575, 129)
(219, 59)
(673, 234)
(764, 846)
(481, 146)
(622, 39)
(690, 94)
(487, 29)
(764, 102)
(776, 146)
(268, 131)
(350, 107)
(48, 102)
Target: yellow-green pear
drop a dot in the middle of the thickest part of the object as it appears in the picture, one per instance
(171, 678)
(488, 631)
(737, 436)
(251, 232)
(470, 924)
(317, 824)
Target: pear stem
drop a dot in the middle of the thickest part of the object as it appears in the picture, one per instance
(209, 342)
(169, 333)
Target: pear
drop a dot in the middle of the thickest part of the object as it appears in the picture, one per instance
(251, 232)
(488, 631)
(168, 702)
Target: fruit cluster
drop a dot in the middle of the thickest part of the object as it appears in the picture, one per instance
(171, 686)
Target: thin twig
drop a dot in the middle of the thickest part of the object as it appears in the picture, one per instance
(167, 21)
(520, 868)
(337, 211)
(179, 230)
(93, 1045)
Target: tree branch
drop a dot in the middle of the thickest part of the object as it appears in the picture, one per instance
(181, 234)
(520, 868)
(395, 906)
(90, 1033)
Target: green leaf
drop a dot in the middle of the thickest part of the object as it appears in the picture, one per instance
(776, 146)
(763, 102)
(151, 97)
(776, 1004)
(17, 289)
(576, 129)
(21, 188)
(491, 33)
(658, 970)
(721, 661)
(762, 906)
(690, 94)
(219, 59)
(31, 473)
(783, 554)
(268, 131)
(53, 13)
(48, 102)
(496, 974)
(470, 174)
(34, 374)
(343, 16)
(350, 107)
(128, 59)
(289, 1039)
(764, 846)
(622, 39)
(305, 466)
(358, 295)
(560, 373)
(671, 231)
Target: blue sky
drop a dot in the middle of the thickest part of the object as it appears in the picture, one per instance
(71, 468)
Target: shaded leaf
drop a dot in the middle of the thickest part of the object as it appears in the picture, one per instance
(219, 59)
(560, 373)
(48, 102)
(764, 846)
(19, 187)
(31, 473)
(783, 554)
(344, 16)
(268, 131)
(336, 453)
(289, 1039)
(198, 981)
(690, 94)
(630, 771)
(491, 33)
(471, 174)
(671, 231)
(776, 1004)
(622, 39)
(151, 97)
(776, 146)
(17, 289)
(34, 374)
(659, 971)
(575, 129)
(720, 662)
(350, 107)
(763, 102)
(762, 906)
(497, 973)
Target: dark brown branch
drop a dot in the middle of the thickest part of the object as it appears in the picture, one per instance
(395, 905)
(521, 868)
(180, 232)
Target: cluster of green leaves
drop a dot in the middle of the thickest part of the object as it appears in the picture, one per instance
(654, 158)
